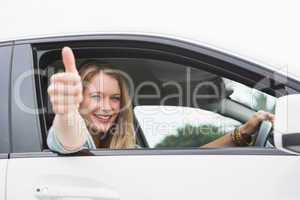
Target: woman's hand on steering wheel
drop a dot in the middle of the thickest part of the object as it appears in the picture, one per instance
(254, 122)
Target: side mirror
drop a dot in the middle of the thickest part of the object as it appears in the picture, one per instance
(287, 124)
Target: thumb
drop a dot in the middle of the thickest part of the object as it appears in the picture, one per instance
(69, 60)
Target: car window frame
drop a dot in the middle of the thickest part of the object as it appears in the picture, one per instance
(26, 135)
(6, 50)
(192, 50)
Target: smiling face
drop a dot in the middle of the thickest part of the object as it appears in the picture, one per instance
(101, 102)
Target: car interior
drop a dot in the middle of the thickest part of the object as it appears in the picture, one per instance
(155, 83)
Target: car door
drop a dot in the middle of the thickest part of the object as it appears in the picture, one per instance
(3, 165)
(34, 172)
(5, 63)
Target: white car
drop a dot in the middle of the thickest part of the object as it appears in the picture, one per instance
(185, 94)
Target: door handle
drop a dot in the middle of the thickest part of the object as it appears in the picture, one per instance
(75, 193)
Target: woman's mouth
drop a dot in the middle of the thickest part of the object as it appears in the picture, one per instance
(102, 118)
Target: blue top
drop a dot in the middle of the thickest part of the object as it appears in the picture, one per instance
(55, 145)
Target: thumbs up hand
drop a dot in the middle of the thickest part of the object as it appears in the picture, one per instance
(65, 89)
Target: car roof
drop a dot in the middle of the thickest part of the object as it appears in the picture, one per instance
(253, 30)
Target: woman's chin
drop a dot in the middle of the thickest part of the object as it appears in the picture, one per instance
(97, 129)
(103, 127)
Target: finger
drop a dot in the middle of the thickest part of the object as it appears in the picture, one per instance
(62, 89)
(65, 77)
(258, 116)
(263, 115)
(65, 100)
(69, 60)
(63, 109)
(266, 115)
(271, 117)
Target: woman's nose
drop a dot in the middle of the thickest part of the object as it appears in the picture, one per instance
(105, 105)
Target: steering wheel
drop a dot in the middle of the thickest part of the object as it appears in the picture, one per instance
(262, 134)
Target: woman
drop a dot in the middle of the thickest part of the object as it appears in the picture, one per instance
(101, 116)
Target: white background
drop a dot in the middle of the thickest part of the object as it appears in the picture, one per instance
(267, 31)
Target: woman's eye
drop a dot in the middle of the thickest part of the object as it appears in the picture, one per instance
(96, 97)
(116, 98)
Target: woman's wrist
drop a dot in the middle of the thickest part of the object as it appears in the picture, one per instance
(70, 129)
(240, 138)
(244, 130)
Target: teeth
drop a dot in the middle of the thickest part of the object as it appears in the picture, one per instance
(103, 116)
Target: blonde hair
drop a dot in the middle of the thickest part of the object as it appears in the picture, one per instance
(124, 136)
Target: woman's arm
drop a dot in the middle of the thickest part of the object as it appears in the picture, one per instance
(65, 93)
(70, 130)
(245, 130)
(224, 141)
(55, 145)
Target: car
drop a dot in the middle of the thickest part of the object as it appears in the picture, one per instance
(185, 94)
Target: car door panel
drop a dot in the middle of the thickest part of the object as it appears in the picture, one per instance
(3, 166)
(155, 177)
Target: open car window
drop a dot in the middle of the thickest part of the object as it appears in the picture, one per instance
(176, 103)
